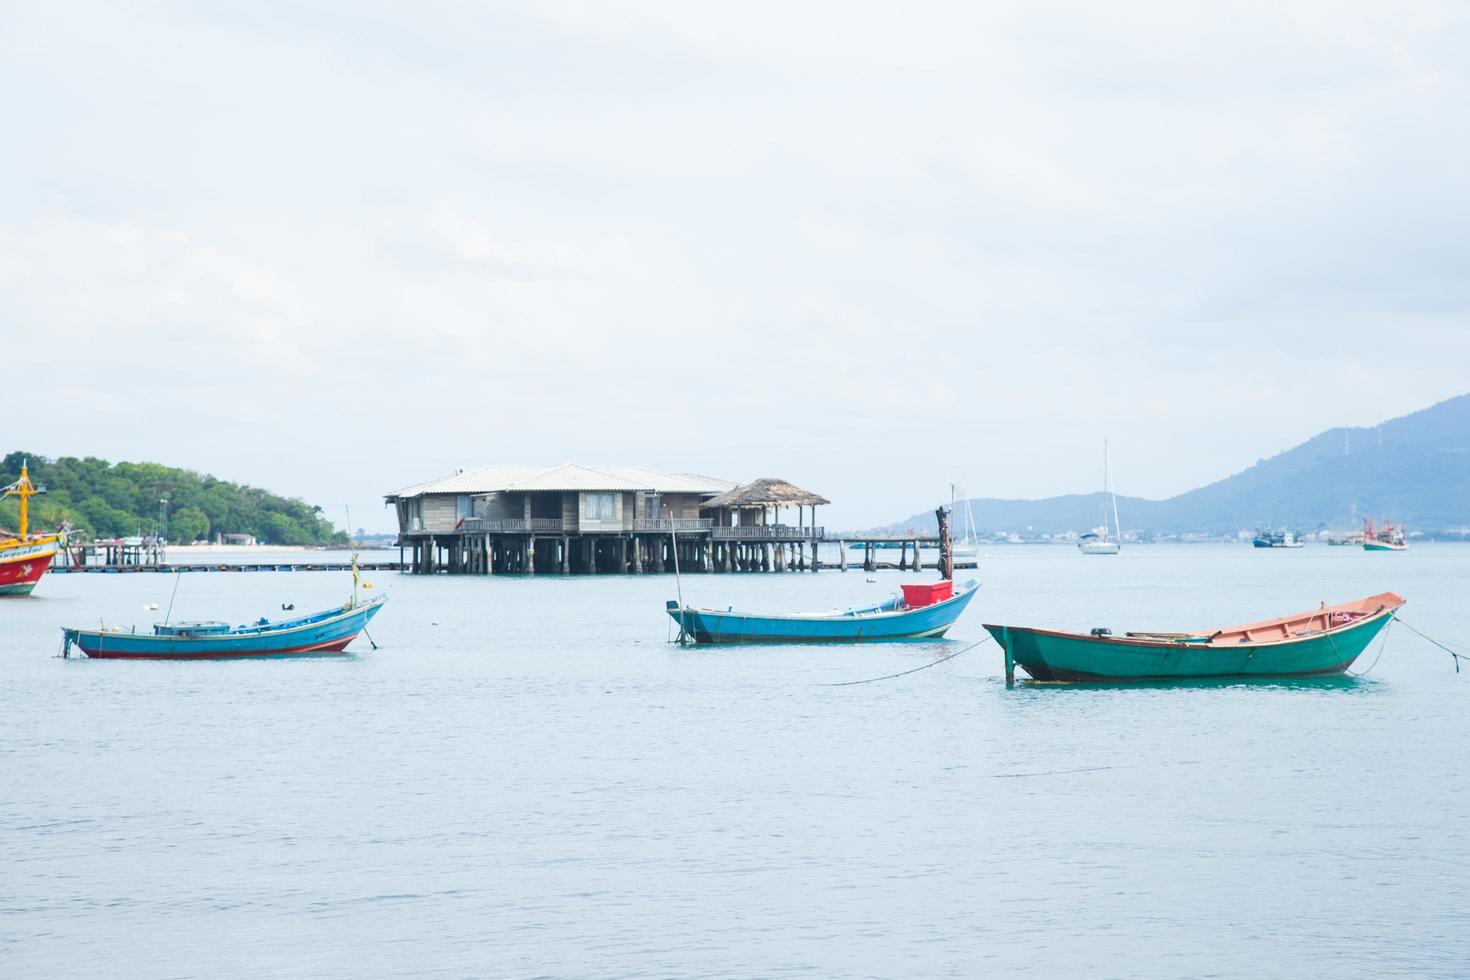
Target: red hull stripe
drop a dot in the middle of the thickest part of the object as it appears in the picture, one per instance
(19, 571)
(333, 646)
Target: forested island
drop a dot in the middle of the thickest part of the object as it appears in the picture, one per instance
(106, 500)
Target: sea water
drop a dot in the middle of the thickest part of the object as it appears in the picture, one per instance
(527, 779)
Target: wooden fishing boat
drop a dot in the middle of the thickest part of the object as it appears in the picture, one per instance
(24, 557)
(920, 612)
(1322, 641)
(326, 632)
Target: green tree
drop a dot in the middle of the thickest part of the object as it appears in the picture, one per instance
(102, 499)
(187, 524)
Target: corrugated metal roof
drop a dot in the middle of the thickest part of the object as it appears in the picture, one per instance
(566, 477)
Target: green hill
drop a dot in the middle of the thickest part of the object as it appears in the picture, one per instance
(1414, 469)
(107, 500)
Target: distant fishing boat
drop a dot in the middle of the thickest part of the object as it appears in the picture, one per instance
(1342, 540)
(1389, 537)
(1098, 541)
(918, 612)
(24, 557)
(1323, 641)
(1276, 539)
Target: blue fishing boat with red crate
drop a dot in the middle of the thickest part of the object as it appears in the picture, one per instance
(922, 611)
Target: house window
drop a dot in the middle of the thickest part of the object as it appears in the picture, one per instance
(464, 506)
(602, 506)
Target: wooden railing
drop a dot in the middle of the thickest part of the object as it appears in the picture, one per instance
(511, 525)
(690, 525)
(673, 524)
(769, 532)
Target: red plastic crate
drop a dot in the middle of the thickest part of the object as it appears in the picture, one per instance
(927, 593)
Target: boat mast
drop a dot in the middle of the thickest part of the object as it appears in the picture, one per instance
(969, 518)
(24, 489)
(1107, 485)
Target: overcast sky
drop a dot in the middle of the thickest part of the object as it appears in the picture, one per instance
(335, 248)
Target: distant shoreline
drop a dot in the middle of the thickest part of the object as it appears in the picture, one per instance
(262, 549)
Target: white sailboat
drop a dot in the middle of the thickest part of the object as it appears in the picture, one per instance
(967, 548)
(1100, 541)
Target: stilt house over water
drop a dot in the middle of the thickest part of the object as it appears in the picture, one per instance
(593, 519)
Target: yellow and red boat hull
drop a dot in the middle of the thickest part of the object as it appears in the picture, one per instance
(22, 563)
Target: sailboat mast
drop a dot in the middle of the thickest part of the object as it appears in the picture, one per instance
(1107, 485)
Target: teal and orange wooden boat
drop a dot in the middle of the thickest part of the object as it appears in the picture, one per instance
(1323, 641)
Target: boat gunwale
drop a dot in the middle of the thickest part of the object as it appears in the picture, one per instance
(1384, 609)
(838, 617)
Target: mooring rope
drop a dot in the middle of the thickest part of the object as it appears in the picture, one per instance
(1381, 644)
(1458, 656)
(915, 670)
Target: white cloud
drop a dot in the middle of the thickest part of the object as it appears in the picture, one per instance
(869, 250)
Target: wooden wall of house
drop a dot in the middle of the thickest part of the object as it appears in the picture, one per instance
(570, 510)
(585, 523)
(681, 505)
(440, 512)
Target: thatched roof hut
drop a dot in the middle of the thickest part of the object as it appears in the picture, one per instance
(762, 494)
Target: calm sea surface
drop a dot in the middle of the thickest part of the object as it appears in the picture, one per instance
(526, 780)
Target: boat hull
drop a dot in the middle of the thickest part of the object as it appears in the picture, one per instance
(315, 637)
(22, 565)
(1099, 547)
(925, 622)
(1048, 655)
(1383, 546)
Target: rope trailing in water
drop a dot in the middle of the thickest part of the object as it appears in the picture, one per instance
(1458, 656)
(915, 670)
(1381, 644)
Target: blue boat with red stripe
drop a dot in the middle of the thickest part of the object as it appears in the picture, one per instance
(323, 633)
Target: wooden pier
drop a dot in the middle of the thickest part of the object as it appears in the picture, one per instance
(168, 568)
(136, 552)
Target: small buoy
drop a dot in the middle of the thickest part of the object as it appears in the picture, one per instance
(367, 585)
(288, 605)
(872, 580)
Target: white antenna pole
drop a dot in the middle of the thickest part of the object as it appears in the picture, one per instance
(169, 614)
(678, 579)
